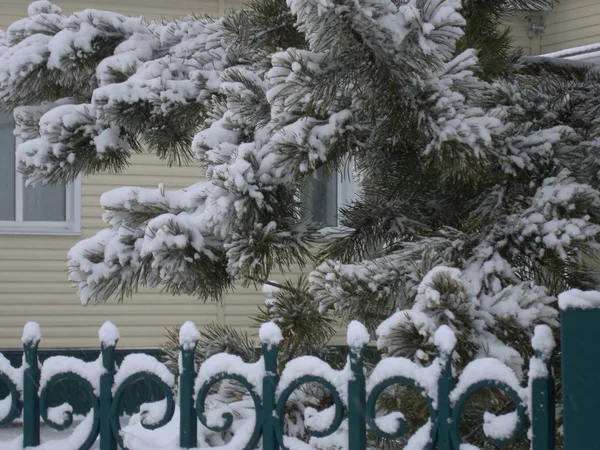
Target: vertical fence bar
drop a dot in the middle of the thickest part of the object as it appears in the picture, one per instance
(358, 338)
(445, 341)
(31, 383)
(270, 382)
(444, 410)
(543, 395)
(188, 427)
(543, 421)
(109, 336)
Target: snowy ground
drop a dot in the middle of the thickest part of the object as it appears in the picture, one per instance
(12, 432)
(10, 435)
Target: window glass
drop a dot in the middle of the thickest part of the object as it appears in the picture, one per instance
(45, 203)
(320, 198)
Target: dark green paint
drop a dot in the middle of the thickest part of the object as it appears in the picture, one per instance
(287, 392)
(15, 404)
(89, 393)
(357, 401)
(127, 383)
(227, 417)
(107, 439)
(580, 340)
(370, 410)
(188, 436)
(444, 407)
(69, 392)
(360, 407)
(31, 401)
(270, 382)
(543, 423)
(461, 402)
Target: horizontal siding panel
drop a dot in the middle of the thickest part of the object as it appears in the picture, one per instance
(561, 42)
(571, 15)
(239, 321)
(149, 9)
(576, 27)
(33, 278)
(246, 310)
(49, 330)
(564, 6)
(13, 265)
(68, 297)
(133, 343)
(98, 184)
(24, 242)
(80, 337)
(156, 171)
(48, 309)
(32, 254)
(120, 320)
(35, 288)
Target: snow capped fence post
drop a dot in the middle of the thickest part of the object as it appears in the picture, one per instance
(445, 341)
(31, 383)
(109, 336)
(543, 415)
(270, 337)
(358, 338)
(580, 362)
(188, 338)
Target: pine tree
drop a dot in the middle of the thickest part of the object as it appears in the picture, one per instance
(478, 171)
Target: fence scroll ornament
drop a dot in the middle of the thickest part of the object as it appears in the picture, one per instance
(352, 414)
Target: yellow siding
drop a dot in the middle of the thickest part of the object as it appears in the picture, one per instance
(33, 278)
(570, 23)
(519, 27)
(150, 9)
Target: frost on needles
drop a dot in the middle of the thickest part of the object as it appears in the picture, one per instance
(478, 172)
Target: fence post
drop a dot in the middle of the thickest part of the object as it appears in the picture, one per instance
(188, 427)
(31, 383)
(109, 336)
(543, 415)
(358, 338)
(445, 341)
(270, 336)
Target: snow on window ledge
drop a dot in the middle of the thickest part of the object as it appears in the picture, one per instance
(39, 228)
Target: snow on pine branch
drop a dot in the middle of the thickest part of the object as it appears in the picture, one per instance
(95, 86)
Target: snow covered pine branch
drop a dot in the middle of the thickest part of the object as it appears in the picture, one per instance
(479, 196)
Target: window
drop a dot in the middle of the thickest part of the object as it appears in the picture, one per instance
(33, 210)
(323, 196)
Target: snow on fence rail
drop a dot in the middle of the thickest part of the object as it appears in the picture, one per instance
(269, 389)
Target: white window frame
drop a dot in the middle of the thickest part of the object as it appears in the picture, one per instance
(69, 227)
(347, 189)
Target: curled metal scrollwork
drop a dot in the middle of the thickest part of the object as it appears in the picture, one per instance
(481, 385)
(287, 392)
(118, 399)
(87, 388)
(226, 416)
(401, 427)
(15, 399)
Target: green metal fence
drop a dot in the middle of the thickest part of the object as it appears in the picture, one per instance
(105, 386)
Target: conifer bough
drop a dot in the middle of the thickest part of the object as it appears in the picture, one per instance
(478, 171)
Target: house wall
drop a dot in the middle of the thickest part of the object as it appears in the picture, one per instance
(33, 276)
(570, 23)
